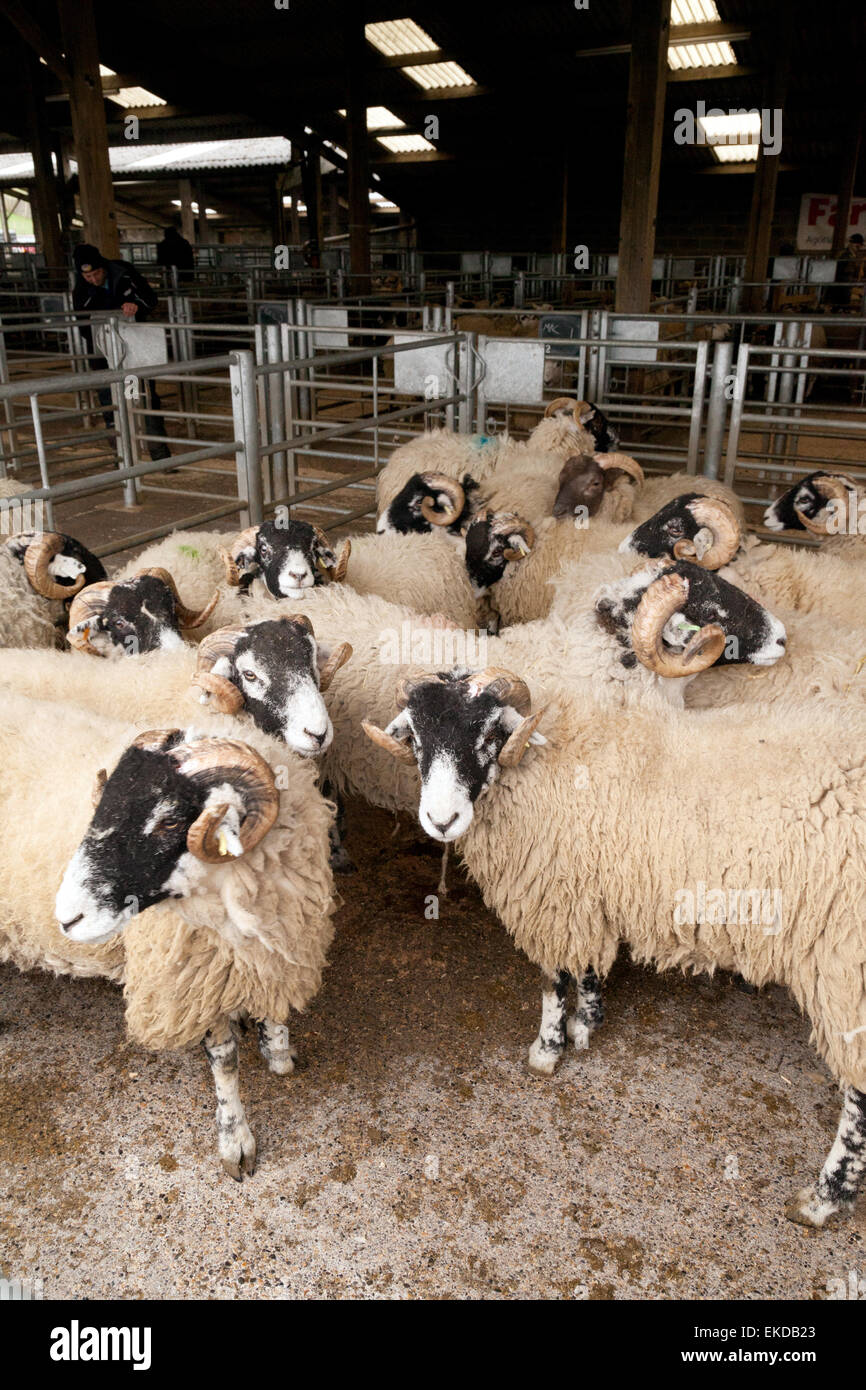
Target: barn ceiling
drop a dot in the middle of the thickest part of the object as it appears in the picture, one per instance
(550, 85)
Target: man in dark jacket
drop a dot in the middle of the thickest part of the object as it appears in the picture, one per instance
(175, 250)
(100, 285)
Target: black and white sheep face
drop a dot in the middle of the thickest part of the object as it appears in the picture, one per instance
(289, 559)
(670, 524)
(134, 853)
(754, 636)
(138, 616)
(605, 436)
(65, 567)
(275, 666)
(781, 515)
(403, 515)
(489, 549)
(456, 735)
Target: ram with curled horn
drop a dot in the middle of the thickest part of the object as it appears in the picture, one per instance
(132, 616)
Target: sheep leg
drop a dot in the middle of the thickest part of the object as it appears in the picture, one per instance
(340, 861)
(275, 1047)
(840, 1178)
(549, 1046)
(590, 1011)
(234, 1137)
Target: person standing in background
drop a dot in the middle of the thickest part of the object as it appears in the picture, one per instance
(101, 285)
(175, 250)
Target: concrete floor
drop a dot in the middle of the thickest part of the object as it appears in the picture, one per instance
(412, 1155)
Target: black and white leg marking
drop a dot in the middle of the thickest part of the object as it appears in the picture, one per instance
(590, 1011)
(237, 1146)
(275, 1047)
(840, 1178)
(549, 1046)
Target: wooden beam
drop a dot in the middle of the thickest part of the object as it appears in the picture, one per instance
(89, 131)
(851, 154)
(651, 22)
(357, 145)
(724, 70)
(139, 212)
(680, 34)
(35, 37)
(45, 199)
(764, 187)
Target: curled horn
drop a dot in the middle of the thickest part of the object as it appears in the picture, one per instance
(339, 656)
(835, 488)
(662, 598)
(507, 688)
(38, 556)
(224, 694)
(562, 403)
(301, 619)
(440, 482)
(515, 747)
(339, 572)
(154, 740)
(508, 524)
(405, 686)
(86, 608)
(396, 747)
(187, 617)
(242, 541)
(217, 760)
(715, 514)
(623, 462)
(583, 411)
(99, 786)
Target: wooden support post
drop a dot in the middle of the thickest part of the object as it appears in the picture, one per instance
(851, 155)
(65, 189)
(4, 222)
(358, 150)
(187, 221)
(45, 202)
(205, 230)
(647, 82)
(764, 187)
(312, 180)
(89, 131)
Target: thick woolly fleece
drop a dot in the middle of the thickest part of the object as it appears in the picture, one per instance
(254, 936)
(566, 847)
(426, 572)
(811, 581)
(524, 592)
(26, 619)
(438, 451)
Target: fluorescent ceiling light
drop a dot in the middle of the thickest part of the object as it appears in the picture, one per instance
(736, 154)
(130, 96)
(440, 75)
(729, 129)
(209, 212)
(701, 55)
(405, 144)
(378, 118)
(396, 36)
(694, 12)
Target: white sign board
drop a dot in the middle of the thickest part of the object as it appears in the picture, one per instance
(818, 220)
(425, 371)
(515, 371)
(330, 319)
(137, 344)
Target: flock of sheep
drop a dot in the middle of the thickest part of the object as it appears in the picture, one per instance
(600, 685)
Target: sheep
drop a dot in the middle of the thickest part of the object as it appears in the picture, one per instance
(828, 505)
(39, 572)
(272, 672)
(706, 530)
(430, 573)
(200, 881)
(567, 427)
(117, 618)
(576, 858)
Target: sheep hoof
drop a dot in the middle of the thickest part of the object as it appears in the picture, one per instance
(541, 1060)
(807, 1209)
(284, 1064)
(240, 1154)
(578, 1032)
(233, 1170)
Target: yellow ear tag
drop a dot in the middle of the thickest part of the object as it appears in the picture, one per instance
(222, 843)
(322, 566)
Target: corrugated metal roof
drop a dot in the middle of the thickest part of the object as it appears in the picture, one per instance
(244, 153)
